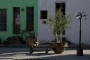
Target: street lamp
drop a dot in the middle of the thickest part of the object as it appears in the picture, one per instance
(79, 16)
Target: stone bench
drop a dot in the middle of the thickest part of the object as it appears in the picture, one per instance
(41, 47)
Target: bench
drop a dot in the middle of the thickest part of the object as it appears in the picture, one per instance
(44, 47)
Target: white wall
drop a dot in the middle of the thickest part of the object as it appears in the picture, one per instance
(72, 7)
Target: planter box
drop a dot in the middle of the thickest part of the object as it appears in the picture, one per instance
(58, 48)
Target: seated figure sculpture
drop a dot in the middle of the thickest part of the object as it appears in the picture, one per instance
(32, 41)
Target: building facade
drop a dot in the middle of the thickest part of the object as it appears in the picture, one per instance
(31, 15)
(17, 15)
(72, 7)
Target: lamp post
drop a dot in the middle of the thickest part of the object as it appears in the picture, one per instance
(79, 16)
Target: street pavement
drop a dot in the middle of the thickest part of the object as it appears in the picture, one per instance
(22, 53)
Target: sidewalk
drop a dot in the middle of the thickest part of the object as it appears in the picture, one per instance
(22, 54)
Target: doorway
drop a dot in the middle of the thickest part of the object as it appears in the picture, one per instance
(16, 20)
(62, 7)
(30, 18)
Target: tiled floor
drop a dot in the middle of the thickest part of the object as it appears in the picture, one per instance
(22, 54)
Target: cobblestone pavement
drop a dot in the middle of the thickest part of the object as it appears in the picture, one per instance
(23, 54)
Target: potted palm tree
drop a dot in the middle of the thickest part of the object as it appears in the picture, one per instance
(59, 24)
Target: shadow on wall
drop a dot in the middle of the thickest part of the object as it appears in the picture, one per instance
(14, 40)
